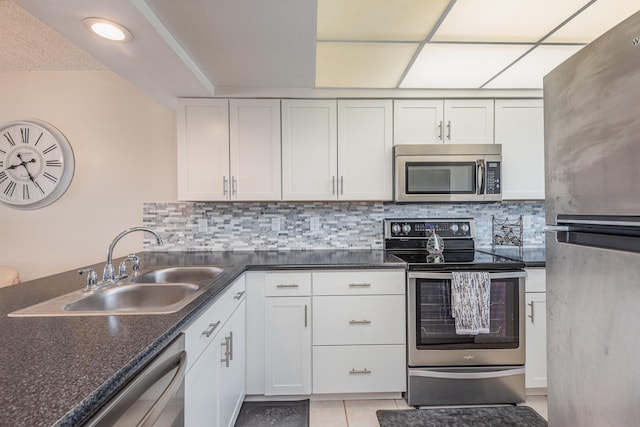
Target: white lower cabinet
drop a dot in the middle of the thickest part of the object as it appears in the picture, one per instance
(357, 318)
(536, 330)
(215, 344)
(287, 345)
(287, 332)
(359, 343)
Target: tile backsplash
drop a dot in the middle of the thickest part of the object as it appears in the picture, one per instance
(211, 226)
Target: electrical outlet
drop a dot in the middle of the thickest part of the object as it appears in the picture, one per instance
(203, 227)
(314, 223)
(275, 224)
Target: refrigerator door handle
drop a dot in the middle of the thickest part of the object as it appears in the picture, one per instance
(556, 228)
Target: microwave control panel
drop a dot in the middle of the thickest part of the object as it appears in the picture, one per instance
(492, 183)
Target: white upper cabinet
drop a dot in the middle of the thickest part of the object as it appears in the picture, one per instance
(337, 150)
(451, 121)
(418, 121)
(203, 149)
(254, 131)
(229, 150)
(520, 130)
(468, 121)
(309, 149)
(365, 150)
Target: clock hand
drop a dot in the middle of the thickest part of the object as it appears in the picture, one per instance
(26, 168)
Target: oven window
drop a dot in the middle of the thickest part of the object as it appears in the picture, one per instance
(440, 178)
(436, 329)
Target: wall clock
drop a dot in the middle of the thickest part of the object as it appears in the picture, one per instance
(36, 164)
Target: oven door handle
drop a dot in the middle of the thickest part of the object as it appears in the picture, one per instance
(445, 276)
(465, 375)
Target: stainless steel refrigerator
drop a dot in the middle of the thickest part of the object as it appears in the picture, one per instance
(592, 162)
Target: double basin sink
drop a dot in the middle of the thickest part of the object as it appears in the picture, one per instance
(155, 291)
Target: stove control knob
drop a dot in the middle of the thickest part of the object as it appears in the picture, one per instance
(395, 228)
(406, 228)
(454, 228)
(465, 227)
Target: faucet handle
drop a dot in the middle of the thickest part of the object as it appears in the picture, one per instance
(135, 265)
(92, 279)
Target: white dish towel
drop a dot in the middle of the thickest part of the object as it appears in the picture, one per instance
(470, 301)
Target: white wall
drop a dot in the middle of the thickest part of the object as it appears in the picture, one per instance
(124, 145)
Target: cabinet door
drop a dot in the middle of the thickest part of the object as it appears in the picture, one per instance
(418, 122)
(365, 150)
(468, 121)
(232, 368)
(536, 344)
(520, 130)
(254, 132)
(203, 149)
(201, 400)
(287, 345)
(309, 149)
(255, 332)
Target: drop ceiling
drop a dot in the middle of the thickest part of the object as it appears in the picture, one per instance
(204, 48)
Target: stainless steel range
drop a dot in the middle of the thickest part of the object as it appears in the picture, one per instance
(445, 367)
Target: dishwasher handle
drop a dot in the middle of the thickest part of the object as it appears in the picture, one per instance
(122, 410)
(159, 406)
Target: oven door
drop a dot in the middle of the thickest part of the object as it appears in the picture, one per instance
(432, 338)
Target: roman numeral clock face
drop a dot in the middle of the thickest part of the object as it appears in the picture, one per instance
(36, 164)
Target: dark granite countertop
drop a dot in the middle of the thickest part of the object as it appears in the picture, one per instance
(59, 370)
(532, 257)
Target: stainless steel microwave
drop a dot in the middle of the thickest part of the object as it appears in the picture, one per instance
(447, 173)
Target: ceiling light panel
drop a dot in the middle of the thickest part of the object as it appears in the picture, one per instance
(528, 72)
(460, 66)
(594, 21)
(504, 20)
(362, 65)
(378, 20)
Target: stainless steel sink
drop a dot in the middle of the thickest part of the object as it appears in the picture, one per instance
(136, 298)
(156, 291)
(196, 274)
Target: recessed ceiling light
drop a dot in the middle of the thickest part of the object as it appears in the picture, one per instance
(108, 29)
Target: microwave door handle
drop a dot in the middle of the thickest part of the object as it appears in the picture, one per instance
(480, 176)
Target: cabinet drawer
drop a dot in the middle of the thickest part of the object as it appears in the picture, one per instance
(204, 330)
(287, 284)
(355, 369)
(536, 280)
(380, 282)
(349, 320)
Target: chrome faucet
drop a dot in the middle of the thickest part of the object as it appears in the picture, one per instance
(107, 274)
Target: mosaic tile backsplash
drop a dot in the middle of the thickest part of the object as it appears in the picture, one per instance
(210, 226)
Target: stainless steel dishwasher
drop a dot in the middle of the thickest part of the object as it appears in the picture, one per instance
(155, 397)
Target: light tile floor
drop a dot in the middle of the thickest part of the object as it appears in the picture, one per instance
(362, 413)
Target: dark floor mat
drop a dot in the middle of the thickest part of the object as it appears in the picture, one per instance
(498, 416)
(280, 414)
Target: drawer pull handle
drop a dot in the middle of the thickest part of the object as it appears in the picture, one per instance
(238, 295)
(212, 327)
(359, 285)
(359, 371)
(360, 322)
(293, 285)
